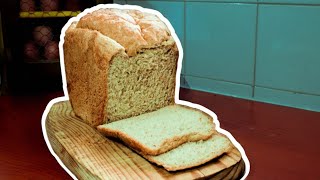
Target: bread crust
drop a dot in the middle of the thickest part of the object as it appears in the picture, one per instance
(132, 29)
(87, 94)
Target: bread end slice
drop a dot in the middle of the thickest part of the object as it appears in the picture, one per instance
(192, 154)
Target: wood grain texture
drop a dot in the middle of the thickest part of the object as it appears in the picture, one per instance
(267, 132)
(89, 155)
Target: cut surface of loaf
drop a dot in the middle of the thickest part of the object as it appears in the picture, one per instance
(141, 83)
(119, 64)
(192, 154)
(156, 132)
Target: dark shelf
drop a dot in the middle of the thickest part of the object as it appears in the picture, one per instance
(42, 61)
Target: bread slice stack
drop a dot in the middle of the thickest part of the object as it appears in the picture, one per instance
(176, 137)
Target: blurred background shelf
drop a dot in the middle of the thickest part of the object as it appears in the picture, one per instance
(42, 61)
(48, 14)
(29, 37)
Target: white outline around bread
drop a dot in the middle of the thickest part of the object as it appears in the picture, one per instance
(177, 100)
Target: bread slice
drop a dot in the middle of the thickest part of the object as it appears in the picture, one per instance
(192, 154)
(160, 131)
(119, 64)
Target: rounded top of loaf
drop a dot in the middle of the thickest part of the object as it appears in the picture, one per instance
(132, 29)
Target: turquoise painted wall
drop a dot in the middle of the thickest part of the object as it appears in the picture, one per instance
(266, 50)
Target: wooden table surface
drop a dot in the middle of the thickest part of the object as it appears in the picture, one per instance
(281, 142)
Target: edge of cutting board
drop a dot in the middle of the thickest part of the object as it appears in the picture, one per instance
(89, 155)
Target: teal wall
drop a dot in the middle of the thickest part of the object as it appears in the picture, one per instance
(266, 50)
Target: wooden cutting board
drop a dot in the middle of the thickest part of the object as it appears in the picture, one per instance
(89, 155)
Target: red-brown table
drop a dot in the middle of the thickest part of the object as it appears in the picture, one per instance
(281, 142)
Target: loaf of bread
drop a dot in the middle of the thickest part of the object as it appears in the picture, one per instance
(119, 64)
(159, 131)
(121, 70)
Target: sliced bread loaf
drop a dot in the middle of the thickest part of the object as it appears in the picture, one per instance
(160, 131)
(192, 154)
(119, 64)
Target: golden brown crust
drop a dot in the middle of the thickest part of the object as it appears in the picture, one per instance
(132, 29)
(86, 56)
(153, 30)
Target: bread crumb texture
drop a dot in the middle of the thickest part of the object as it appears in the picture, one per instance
(119, 64)
(143, 83)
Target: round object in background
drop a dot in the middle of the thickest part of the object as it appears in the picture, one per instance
(49, 5)
(72, 5)
(42, 35)
(27, 5)
(31, 51)
(51, 50)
